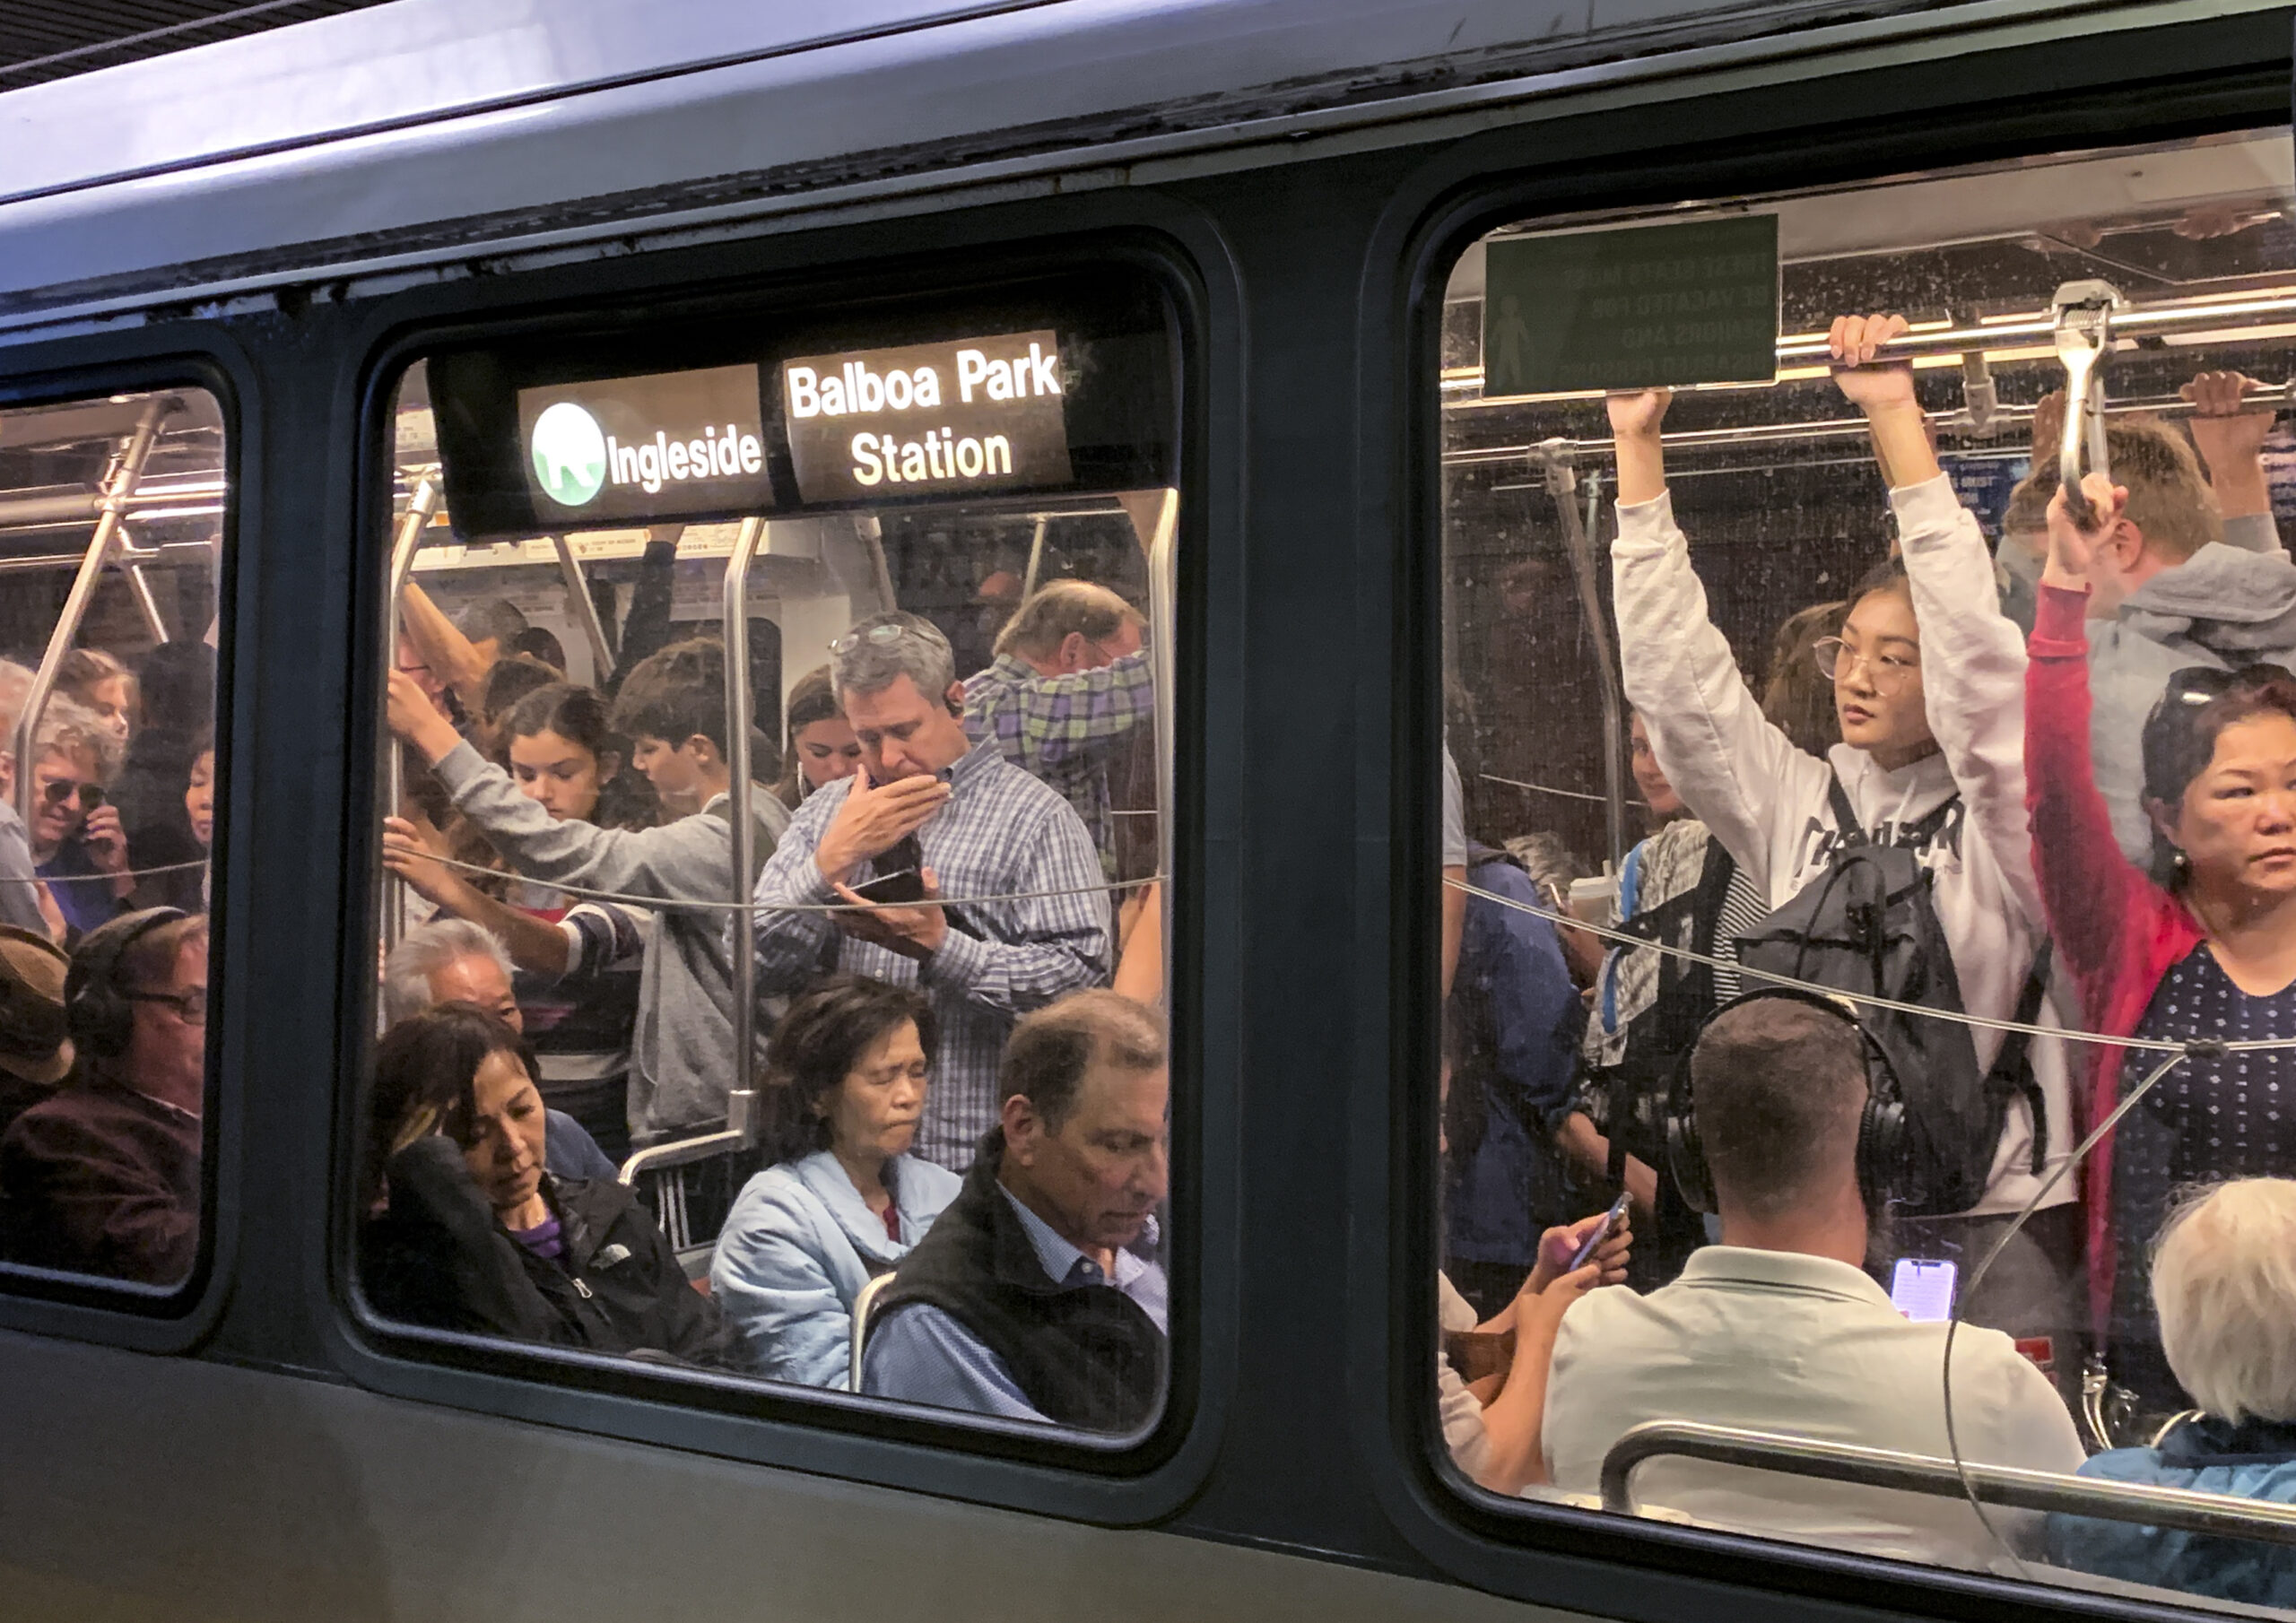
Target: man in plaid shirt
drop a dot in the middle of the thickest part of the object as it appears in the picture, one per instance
(1032, 921)
(1070, 684)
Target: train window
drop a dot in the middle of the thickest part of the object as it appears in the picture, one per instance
(773, 845)
(1867, 644)
(111, 534)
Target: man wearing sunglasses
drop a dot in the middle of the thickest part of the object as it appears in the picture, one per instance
(78, 843)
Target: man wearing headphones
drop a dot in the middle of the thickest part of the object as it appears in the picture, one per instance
(1779, 1328)
(103, 1177)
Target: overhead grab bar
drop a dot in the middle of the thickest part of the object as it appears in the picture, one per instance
(2129, 321)
(2084, 343)
(118, 488)
(2017, 1489)
(2267, 397)
(1556, 458)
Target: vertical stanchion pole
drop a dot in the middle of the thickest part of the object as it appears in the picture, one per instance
(1163, 600)
(419, 507)
(1558, 460)
(741, 1099)
(117, 489)
(1035, 558)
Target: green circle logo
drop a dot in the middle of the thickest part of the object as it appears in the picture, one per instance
(570, 455)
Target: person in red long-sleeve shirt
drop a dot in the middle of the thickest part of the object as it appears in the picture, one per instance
(2202, 947)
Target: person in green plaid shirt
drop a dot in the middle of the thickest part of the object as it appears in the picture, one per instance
(1071, 682)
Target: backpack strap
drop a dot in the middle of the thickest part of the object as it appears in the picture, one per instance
(1845, 815)
(2010, 1072)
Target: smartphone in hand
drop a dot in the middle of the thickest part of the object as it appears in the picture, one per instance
(1594, 1242)
(899, 873)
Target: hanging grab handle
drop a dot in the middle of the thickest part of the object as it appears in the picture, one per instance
(2084, 343)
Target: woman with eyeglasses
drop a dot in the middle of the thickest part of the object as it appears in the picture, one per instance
(2200, 944)
(1927, 679)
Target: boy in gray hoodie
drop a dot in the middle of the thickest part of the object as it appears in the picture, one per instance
(2189, 576)
(673, 709)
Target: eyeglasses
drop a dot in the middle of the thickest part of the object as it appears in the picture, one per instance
(92, 795)
(1888, 673)
(190, 1004)
(882, 636)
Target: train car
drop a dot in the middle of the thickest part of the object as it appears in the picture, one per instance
(1299, 327)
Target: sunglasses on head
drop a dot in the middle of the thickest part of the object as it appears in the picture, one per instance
(92, 795)
(883, 636)
(2197, 685)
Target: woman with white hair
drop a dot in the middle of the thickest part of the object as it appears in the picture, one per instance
(2224, 1285)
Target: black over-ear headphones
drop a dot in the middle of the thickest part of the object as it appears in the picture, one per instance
(102, 1017)
(1881, 1128)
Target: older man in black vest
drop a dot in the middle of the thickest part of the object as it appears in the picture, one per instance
(1024, 1299)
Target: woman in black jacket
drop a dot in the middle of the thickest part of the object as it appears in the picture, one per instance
(465, 1229)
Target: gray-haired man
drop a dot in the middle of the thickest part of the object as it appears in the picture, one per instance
(1031, 918)
(452, 961)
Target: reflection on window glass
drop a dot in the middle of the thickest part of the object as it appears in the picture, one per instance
(1879, 596)
(939, 1173)
(112, 524)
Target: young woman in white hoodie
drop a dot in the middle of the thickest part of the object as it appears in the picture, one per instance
(1929, 685)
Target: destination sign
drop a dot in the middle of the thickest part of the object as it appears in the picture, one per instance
(638, 447)
(972, 414)
(1640, 308)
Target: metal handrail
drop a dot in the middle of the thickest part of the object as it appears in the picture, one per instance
(864, 1299)
(2012, 1487)
(2275, 397)
(419, 510)
(119, 488)
(2131, 321)
(1560, 467)
(586, 611)
(1163, 614)
(681, 1153)
(741, 1098)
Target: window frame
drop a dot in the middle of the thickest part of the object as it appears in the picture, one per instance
(174, 1318)
(1123, 1481)
(1850, 127)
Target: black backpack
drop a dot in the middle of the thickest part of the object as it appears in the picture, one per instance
(1634, 1091)
(1867, 925)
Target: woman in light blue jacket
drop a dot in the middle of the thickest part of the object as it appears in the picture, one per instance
(842, 1198)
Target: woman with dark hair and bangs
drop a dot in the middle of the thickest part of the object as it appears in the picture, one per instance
(842, 1199)
(466, 1228)
(2202, 946)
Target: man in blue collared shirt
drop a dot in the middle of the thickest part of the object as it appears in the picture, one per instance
(1028, 915)
(1023, 1300)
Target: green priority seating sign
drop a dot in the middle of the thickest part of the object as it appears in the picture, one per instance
(1637, 308)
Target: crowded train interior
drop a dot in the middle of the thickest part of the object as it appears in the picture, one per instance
(1632, 925)
(1704, 796)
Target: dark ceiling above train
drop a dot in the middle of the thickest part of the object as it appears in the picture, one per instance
(55, 38)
